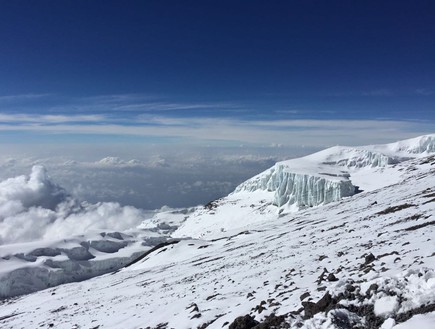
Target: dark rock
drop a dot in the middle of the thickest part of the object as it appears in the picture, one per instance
(366, 311)
(273, 321)
(321, 277)
(324, 304)
(196, 316)
(369, 258)
(243, 322)
(331, 277)
(373, 288)
(304, 295)
(393, 209)
(342, 320)
(402, 317)
(259, 308)
(159, 326)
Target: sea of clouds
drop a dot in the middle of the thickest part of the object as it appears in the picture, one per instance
(52, 197)
(33, 207)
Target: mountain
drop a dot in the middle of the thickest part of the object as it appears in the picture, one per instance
(317, 179)
(285, 249)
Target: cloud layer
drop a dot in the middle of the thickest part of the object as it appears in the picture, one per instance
(34, 207)
(153, 118)
(217, 131)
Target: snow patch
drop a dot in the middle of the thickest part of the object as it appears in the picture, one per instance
(420, 321)
(386, 305)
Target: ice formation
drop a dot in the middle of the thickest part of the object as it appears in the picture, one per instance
(327, 176)
(299, 189)
(34, 266)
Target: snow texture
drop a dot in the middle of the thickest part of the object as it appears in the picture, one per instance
(362, 261)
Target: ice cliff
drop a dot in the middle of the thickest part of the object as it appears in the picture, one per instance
(327, 176)
(299, 189)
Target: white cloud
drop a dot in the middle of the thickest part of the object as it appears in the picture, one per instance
(133, 103)
(34, 190)
(22, 97)
(48, 119)
(34, 207)
(318, 133)
(166, 106)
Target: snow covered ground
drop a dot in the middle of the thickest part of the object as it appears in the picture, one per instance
(366, 261)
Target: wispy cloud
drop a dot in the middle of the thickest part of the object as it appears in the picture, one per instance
(223, 130)
(148, 116)
(21, 97)
(288, 111)
(48, 119)
(117, 103)
(425, 91)
(164, 106)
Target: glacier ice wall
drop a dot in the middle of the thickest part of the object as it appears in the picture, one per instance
(302, 190)
(323, 177)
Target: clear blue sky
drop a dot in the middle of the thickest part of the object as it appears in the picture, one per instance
(168, 69)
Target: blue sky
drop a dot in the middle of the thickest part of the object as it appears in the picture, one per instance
(216, 72)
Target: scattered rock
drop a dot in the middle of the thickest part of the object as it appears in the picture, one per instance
(402, 317)
(370, 258)
(196, 316)
(273, 321)
(331, 277)
(392, 209)
(373, 288)
(243, 322)
(304, 295)
(321, 277)
(324, 304)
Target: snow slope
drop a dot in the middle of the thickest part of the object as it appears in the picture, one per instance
(70, 241)
(317, 179)
(366, 261)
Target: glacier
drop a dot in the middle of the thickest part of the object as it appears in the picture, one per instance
(302, 190)
(327, 176)
(29, 267)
